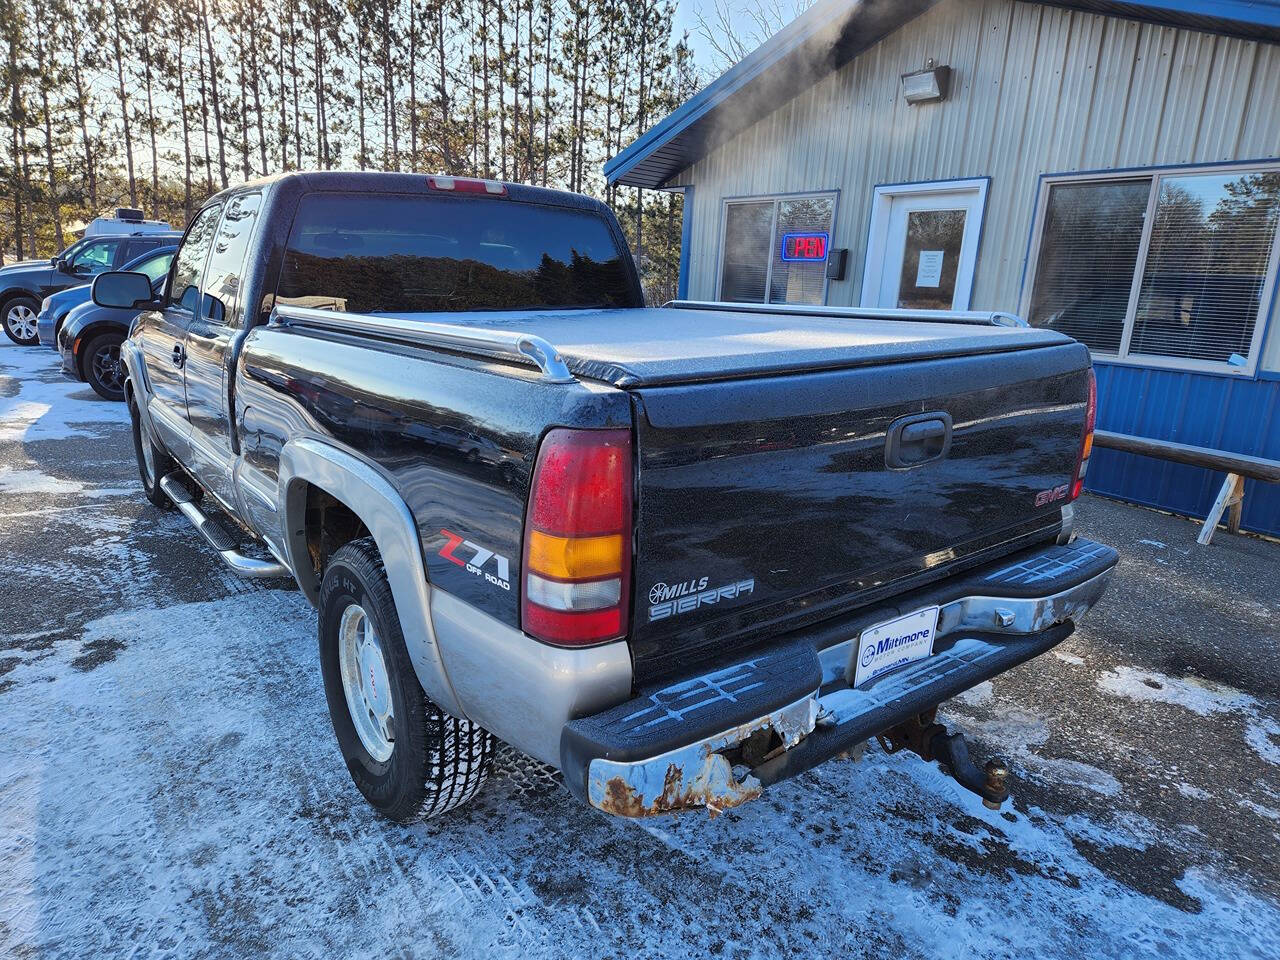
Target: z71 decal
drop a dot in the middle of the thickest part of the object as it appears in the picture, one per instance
(479, 556)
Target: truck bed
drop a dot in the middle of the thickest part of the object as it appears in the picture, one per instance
(653, 346)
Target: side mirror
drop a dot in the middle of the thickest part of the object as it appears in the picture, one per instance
(123, 290)
(62, 263)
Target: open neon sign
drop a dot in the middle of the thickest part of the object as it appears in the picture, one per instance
(804, 246)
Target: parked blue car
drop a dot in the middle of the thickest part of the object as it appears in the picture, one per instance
(22, 285)
(89, 342)
(54, 309)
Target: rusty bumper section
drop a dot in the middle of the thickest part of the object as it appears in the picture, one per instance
(718, 739)
(699, 775)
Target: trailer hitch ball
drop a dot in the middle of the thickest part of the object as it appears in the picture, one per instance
(994, 791)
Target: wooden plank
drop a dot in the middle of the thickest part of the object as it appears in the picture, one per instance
(1219, 505)
(1240, 464)
(1237, 507)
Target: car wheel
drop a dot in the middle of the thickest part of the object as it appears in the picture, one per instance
(20, 321)
(409, 758)
(153, 462)
(102, 366)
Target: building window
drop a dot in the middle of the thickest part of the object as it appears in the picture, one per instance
(1173, 269)
(753, 268)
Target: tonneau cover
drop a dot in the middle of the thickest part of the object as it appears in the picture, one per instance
(651, 346)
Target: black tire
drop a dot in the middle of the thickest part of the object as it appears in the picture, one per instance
(437, 762)
(161, 463)
(20, 320)
(102, 367)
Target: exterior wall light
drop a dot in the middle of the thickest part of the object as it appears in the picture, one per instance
(927, 85)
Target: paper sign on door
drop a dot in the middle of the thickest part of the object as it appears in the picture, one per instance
(929, 272)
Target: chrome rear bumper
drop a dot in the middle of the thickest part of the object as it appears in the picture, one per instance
(717, 739)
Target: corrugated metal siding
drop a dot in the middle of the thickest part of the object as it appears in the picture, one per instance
(1209, 411)
(1035, 89)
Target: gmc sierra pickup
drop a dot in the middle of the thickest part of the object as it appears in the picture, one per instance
(680, 553)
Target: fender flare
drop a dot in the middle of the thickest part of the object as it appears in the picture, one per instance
(136, 385)
(14, 292)
(363, 490)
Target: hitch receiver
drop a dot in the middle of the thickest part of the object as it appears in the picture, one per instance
(928, 739)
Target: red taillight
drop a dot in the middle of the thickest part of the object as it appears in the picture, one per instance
(1086, 442)
(577, 538)
(468, 185)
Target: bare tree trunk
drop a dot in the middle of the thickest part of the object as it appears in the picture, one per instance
(55, 205)
(204, 119)
(284, 106)
(151, 123)
(124, 102)
(389, 82)
(413, 84)
(257, 104)
(484, 35)
(446, 146)
(16, 120)
(546, 93)
(364, 150)
(186, 130)
(213, 87)
(297, 117)
(502, 91)
(26, 182)
(245, 54)
(530, 167)
(82, 114)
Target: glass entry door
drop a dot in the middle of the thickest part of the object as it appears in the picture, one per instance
(924, 246)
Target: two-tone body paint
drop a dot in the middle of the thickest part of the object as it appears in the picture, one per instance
(417, 415)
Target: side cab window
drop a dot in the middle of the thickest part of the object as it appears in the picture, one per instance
(188, 268)
(225, 272)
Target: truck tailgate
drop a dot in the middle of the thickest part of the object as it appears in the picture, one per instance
(769, 505)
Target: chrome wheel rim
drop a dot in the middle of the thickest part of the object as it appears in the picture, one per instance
(22, 321)
(106, 368)
(365, 682)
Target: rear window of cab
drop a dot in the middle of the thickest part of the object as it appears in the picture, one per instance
(392, 253)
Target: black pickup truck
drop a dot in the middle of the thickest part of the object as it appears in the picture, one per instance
(680, 553)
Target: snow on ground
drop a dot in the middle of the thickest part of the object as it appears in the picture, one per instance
(169, 786)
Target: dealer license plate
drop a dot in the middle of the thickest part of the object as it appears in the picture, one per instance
(895, 643)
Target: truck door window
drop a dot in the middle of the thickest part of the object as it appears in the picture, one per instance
(184, 288)
(413, 253)
(225, 270)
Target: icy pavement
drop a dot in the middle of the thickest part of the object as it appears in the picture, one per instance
(169, 785)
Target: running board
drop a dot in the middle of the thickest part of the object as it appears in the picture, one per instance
(217, 537)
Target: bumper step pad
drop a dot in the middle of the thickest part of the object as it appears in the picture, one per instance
(717, 739)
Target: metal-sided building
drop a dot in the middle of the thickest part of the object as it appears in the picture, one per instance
(1110, 169)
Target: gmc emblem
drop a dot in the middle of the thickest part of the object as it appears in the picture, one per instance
(1050, 496)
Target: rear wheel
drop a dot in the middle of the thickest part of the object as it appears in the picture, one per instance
(20, 321)
(409, 758)
(153, 462)
(102, 366)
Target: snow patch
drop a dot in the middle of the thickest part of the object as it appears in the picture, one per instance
(1201, 697)
(976, 696)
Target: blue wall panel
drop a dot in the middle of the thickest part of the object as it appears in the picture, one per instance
(1226, 413)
